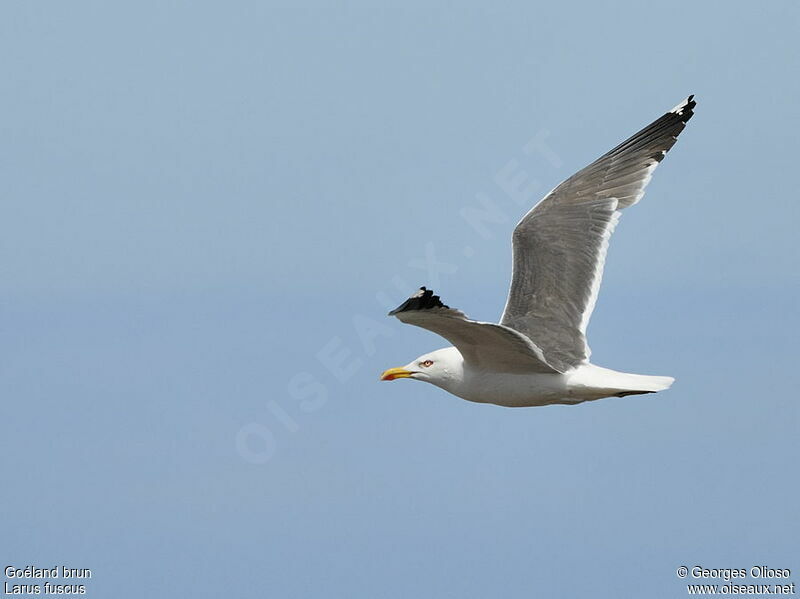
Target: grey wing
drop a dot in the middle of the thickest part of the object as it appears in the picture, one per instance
(560, 245)
(483, 345)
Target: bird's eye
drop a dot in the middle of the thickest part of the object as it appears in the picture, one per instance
(426, 363)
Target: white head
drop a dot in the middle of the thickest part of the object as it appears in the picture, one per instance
(443, 368)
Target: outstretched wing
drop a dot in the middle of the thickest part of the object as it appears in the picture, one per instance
(483, 345)
(560, 245)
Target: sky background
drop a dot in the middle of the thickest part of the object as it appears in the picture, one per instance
(208, 208)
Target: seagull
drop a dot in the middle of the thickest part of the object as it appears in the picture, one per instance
(538, 355)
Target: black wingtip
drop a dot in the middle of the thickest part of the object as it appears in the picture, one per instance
(685, 109)
(675, 119)
(424, 299)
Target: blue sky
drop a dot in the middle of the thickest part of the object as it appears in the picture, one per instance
(208, 209)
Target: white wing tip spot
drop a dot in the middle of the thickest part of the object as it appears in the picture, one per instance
(682, 106)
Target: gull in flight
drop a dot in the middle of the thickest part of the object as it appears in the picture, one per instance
(538, 355)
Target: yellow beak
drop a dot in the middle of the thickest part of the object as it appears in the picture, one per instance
(396, 373)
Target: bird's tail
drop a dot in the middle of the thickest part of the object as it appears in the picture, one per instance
(638, 384)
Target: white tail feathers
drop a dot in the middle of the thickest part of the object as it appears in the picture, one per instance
(646, 383)
(593, 382)
(652, 383)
